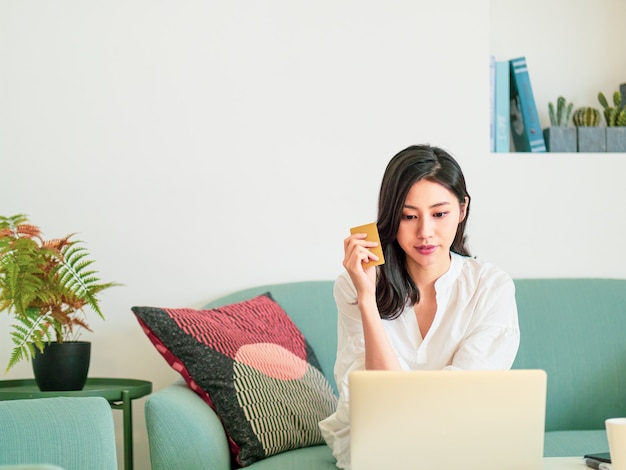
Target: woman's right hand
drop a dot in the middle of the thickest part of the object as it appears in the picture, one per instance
(378, 351)
(356, 254)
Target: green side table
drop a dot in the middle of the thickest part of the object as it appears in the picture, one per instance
(118, 392)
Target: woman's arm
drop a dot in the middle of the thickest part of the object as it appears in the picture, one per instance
(378, 351)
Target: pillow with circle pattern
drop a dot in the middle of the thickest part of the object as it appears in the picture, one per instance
(252, 365)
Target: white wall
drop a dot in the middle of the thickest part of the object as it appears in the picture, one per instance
(558, 215)
(200, 147)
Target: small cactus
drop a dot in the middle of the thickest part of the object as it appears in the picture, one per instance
(586, 117)
(614, 115)
(560, 117)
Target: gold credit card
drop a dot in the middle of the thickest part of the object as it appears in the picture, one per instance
(372, 236)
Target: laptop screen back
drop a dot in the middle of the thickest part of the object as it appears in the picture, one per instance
(448, 420)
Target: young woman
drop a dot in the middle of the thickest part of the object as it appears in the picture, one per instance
(430, 305)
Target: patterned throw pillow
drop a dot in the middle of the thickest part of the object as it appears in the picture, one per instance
(253, 366)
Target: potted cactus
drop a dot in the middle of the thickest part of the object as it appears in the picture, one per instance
(615, 117)
(590, 136)
(560, 137)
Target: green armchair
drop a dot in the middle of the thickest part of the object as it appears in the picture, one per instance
(69, 433)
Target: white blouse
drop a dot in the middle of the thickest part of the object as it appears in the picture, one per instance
(475, 327)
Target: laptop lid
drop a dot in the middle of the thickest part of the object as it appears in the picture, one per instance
(447, 420)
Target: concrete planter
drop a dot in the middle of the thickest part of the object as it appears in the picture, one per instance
(616, 139)
(591, 139)
(560, 139)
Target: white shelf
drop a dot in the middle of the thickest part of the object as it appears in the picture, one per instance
(573, 49)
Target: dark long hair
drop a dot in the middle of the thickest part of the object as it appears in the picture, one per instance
(394, 285)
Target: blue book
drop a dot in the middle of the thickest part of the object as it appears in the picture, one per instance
(525, 126)
(502, 107)
(492, 103)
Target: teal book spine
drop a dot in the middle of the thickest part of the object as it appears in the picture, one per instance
(525, 126)
(502, 107)
(492, 103)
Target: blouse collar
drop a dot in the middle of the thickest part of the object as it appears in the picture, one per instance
(451, 275)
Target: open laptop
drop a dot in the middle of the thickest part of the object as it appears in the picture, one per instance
(447, 420)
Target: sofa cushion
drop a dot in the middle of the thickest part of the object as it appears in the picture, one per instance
(253, 366)
(310, 458)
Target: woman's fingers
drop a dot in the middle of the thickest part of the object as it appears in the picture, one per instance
(356, 254)
(357, 251)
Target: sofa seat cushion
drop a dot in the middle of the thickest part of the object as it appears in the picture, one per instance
(574, 443)
(252, 365)
(309, 458)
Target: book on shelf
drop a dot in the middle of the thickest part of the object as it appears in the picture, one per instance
(622, 90)
(525, 126)
(502, 108)
(492, 103)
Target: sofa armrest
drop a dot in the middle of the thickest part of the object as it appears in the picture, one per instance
(184, 432)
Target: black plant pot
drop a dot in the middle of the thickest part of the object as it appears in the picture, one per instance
(62, 366)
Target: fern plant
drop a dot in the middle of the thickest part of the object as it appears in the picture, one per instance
(45, 286)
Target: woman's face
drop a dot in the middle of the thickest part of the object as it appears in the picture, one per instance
(430, 217)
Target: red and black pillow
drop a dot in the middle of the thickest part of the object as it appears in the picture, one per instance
(253, 366)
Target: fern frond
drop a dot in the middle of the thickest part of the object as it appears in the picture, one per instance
(58, 244)
(28, 230)
(20, 331)
(12, 221)
(30, 330)
(17, 355)
(83, 285)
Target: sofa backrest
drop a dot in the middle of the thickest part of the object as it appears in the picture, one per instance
(311, 306)
(575, 329)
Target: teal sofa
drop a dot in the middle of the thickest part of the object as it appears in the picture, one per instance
(575, 329)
